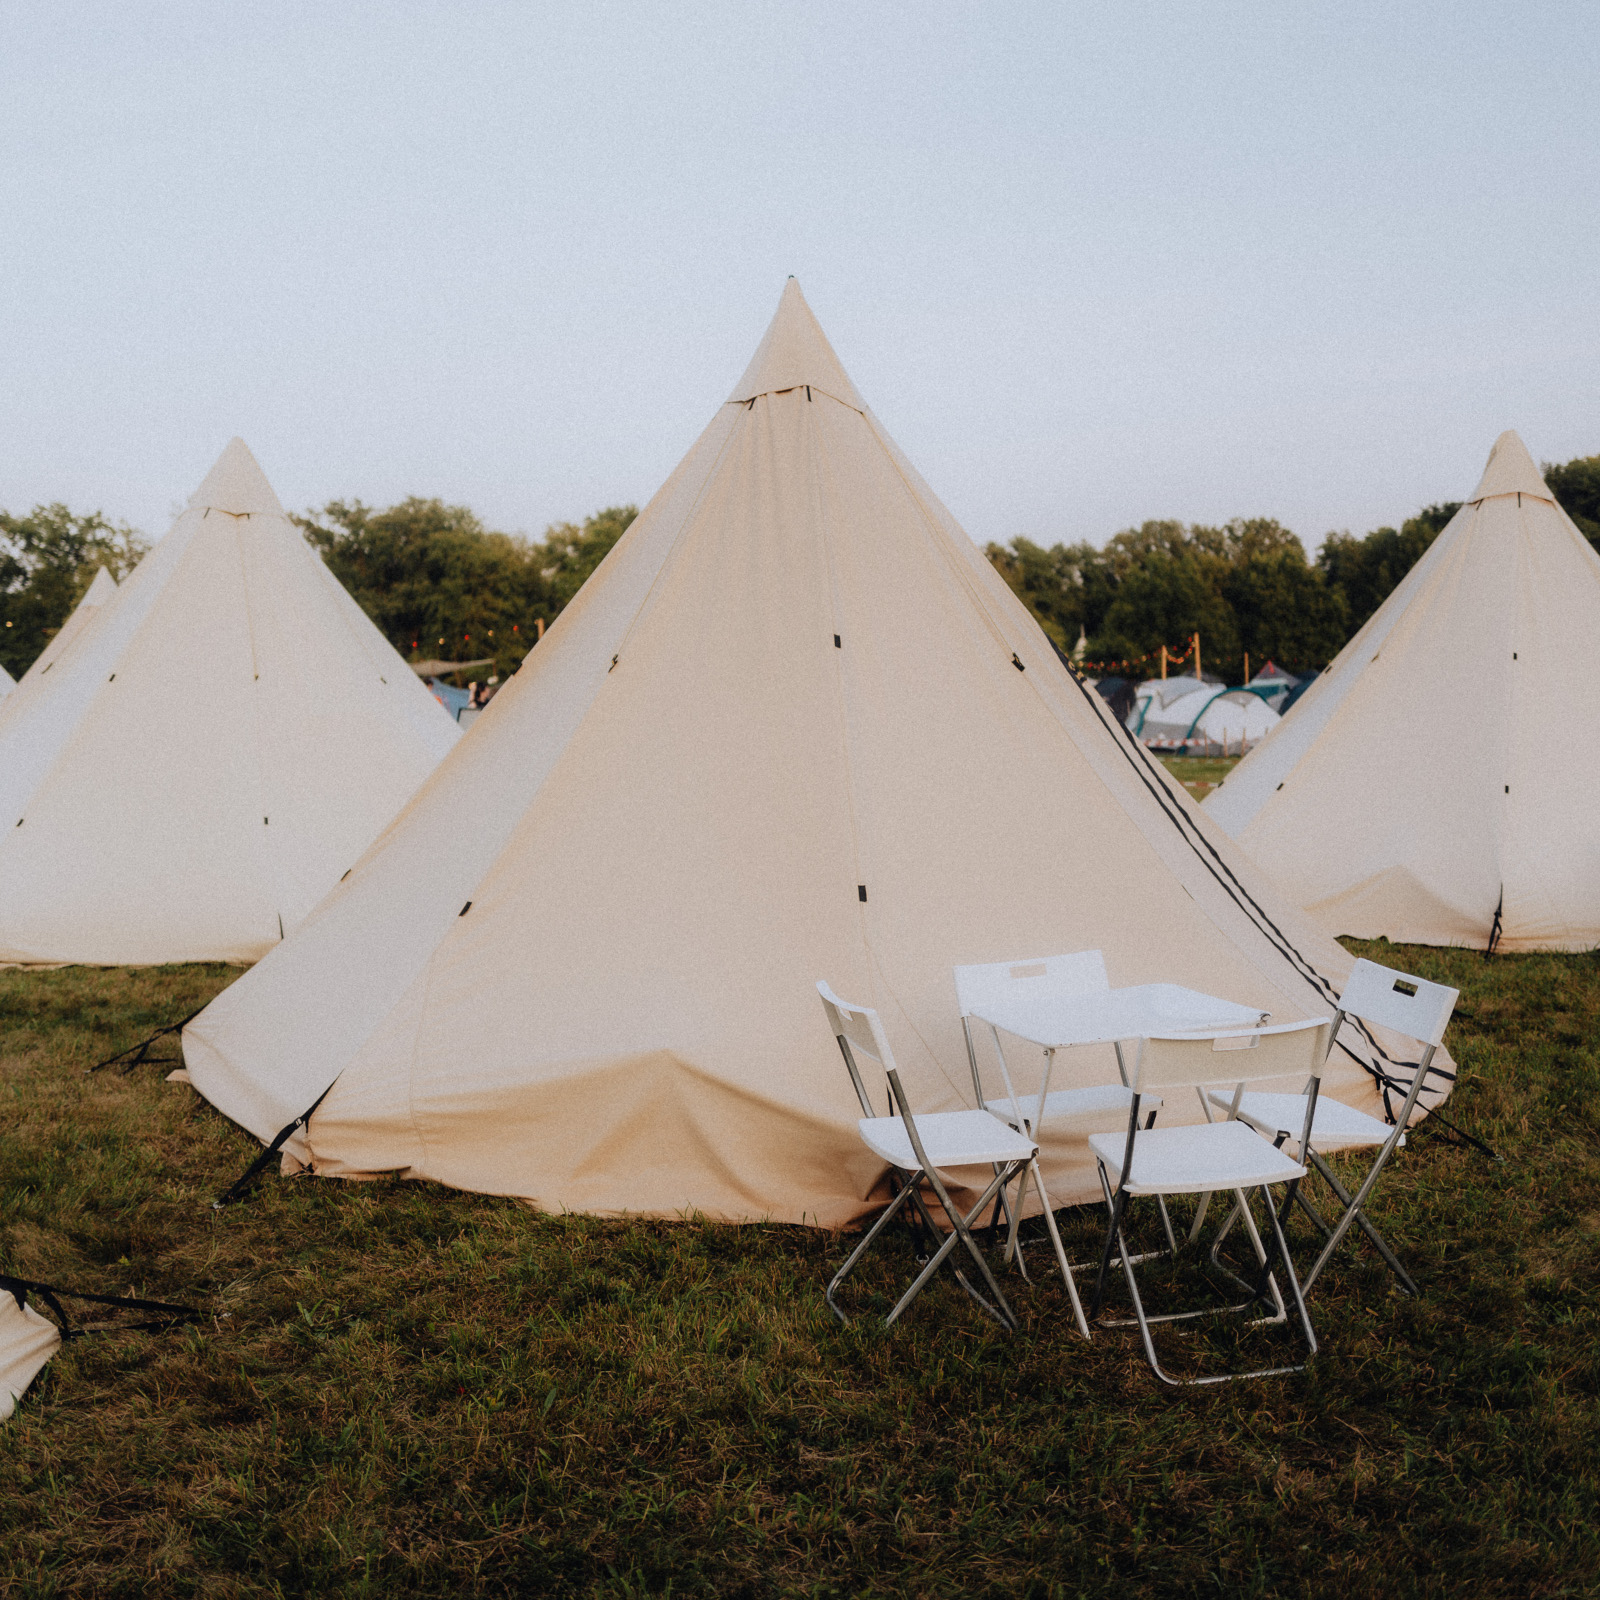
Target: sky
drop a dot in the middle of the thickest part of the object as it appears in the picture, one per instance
(1090, 264)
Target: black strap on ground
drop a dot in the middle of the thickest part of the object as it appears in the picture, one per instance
(1462, 1140)
(166, 1316)
(137, 1054)
(259, 1165)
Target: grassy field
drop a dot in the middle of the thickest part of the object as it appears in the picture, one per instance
(1200, 774)
(395, 1389)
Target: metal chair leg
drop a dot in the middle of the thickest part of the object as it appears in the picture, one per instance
(861, 1249)
(1335, 1234)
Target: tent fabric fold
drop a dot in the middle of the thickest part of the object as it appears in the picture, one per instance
(1429, 778)
(223, 737)
(780, 735)
(27, 1342)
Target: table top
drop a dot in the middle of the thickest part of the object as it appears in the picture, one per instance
(1107, 1016)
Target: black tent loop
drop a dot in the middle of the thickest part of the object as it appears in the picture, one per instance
(140, 1053)
(168, 1316)
(248, 1177)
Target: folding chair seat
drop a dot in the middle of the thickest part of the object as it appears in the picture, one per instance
(1376, 995)
(1083, 972)
(1197, 1160)
(1145, 1162)
(918, 1150)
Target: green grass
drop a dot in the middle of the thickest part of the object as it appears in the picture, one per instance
(1200, 774)
(396, 1389)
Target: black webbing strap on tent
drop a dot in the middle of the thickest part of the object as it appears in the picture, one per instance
(167, 1316)
(259, 1165)
(137, 1054)
(1494, 932)
(1135, 753)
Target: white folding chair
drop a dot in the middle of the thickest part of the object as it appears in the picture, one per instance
(1388, 999)
(916, 1149)
(1083, 972)
(1207, 1158)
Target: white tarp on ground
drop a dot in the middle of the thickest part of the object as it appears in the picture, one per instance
(794, 727)
(27, 1342)
(1434, 774)
(206, 757)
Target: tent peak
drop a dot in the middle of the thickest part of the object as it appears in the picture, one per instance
(236, 484)
(1510, 470)
(795, 352)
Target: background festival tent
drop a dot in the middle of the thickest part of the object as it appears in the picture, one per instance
(1275, 686)
(83, 614)
(1430, 787)
(794, 727)
(208, 755)
(1181, 713)
(33, 684)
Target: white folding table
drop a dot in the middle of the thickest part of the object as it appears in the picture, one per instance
(1109, 1016)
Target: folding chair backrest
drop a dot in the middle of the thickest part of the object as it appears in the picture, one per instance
(860, 1033)
(1396, 1000)
(1081, 973)
(1238, 1055)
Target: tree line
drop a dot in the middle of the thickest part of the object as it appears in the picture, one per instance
(1247, 587)
(440, 585)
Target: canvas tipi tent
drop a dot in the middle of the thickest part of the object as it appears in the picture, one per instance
(7, 684)
(83, 614)
(794, 727)
(33, 684)
(204, 759)
(1429, 786)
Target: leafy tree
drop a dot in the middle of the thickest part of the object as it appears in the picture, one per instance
(1066, 587)
(1163, 599)
(48, 559)
(1577, 486)
(572, 551)
(436, 582)
(440, 585)
(1285, 610)
(1366, 571)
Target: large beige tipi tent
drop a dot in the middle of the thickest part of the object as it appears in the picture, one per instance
(1434, 785)
(7, 684)
(205, 757)
(794, 727)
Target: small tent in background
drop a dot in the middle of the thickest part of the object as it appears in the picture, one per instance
(1431, 787)
(1274, 685)
(203, 759)
(1149, 721)
(1186, 715)
(1119, 694)
(794, 727)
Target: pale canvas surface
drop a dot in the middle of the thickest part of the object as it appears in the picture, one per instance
(27, 1342)
(209, 750)
(83, 614)
(664, 825)
(1442, 766)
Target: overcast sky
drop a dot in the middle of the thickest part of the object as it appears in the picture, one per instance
(1089, 264)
